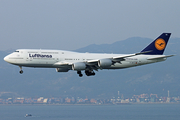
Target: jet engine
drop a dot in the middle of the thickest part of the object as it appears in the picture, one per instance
(62, 70)
(103, 63)
(79, 66)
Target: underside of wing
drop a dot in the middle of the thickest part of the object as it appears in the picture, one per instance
(63, 64)
(107, 62)
(93, 64)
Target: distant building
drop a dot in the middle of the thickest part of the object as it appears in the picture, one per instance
(93, 101)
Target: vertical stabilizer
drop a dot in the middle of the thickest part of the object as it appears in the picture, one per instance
(158, 46)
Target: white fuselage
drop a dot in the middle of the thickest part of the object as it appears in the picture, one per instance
(50, 58)
(64, 61)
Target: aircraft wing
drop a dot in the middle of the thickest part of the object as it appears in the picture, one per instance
(159, 57)
(93, 64)
(117, 58)
(121, 58)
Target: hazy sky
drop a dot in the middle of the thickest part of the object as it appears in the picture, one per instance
(72, 24)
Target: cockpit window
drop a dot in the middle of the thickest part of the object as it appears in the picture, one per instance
(16, 51)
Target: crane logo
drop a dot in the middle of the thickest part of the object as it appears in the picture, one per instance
(160, 44)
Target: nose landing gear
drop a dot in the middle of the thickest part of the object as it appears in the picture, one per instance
(21, 71)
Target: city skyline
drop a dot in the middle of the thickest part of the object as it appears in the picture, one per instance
(140, 99)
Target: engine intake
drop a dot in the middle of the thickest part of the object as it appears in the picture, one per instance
(103, 63)
(79, 66)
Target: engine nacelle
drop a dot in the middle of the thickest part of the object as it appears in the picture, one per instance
(62, 70)
(79, 66)
(103, 63)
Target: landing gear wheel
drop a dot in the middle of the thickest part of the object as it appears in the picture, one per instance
(21, 71)
(90, 72)
(80, 74)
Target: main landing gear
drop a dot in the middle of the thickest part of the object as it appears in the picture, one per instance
(21, 71)
(80, 74)
(90, 72)
(87, 72)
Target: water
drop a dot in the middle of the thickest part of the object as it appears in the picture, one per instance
(88, 112)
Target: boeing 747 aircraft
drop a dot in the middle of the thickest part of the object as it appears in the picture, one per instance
(64, 61)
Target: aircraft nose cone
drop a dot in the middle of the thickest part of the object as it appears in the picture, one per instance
(6, 58)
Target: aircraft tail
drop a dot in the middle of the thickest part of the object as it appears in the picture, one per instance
(158, 46)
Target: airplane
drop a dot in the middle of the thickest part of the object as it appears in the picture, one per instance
(64, 61)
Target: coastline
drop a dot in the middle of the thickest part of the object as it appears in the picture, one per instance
(83, 104)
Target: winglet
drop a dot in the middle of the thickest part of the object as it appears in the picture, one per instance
(158, 46)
